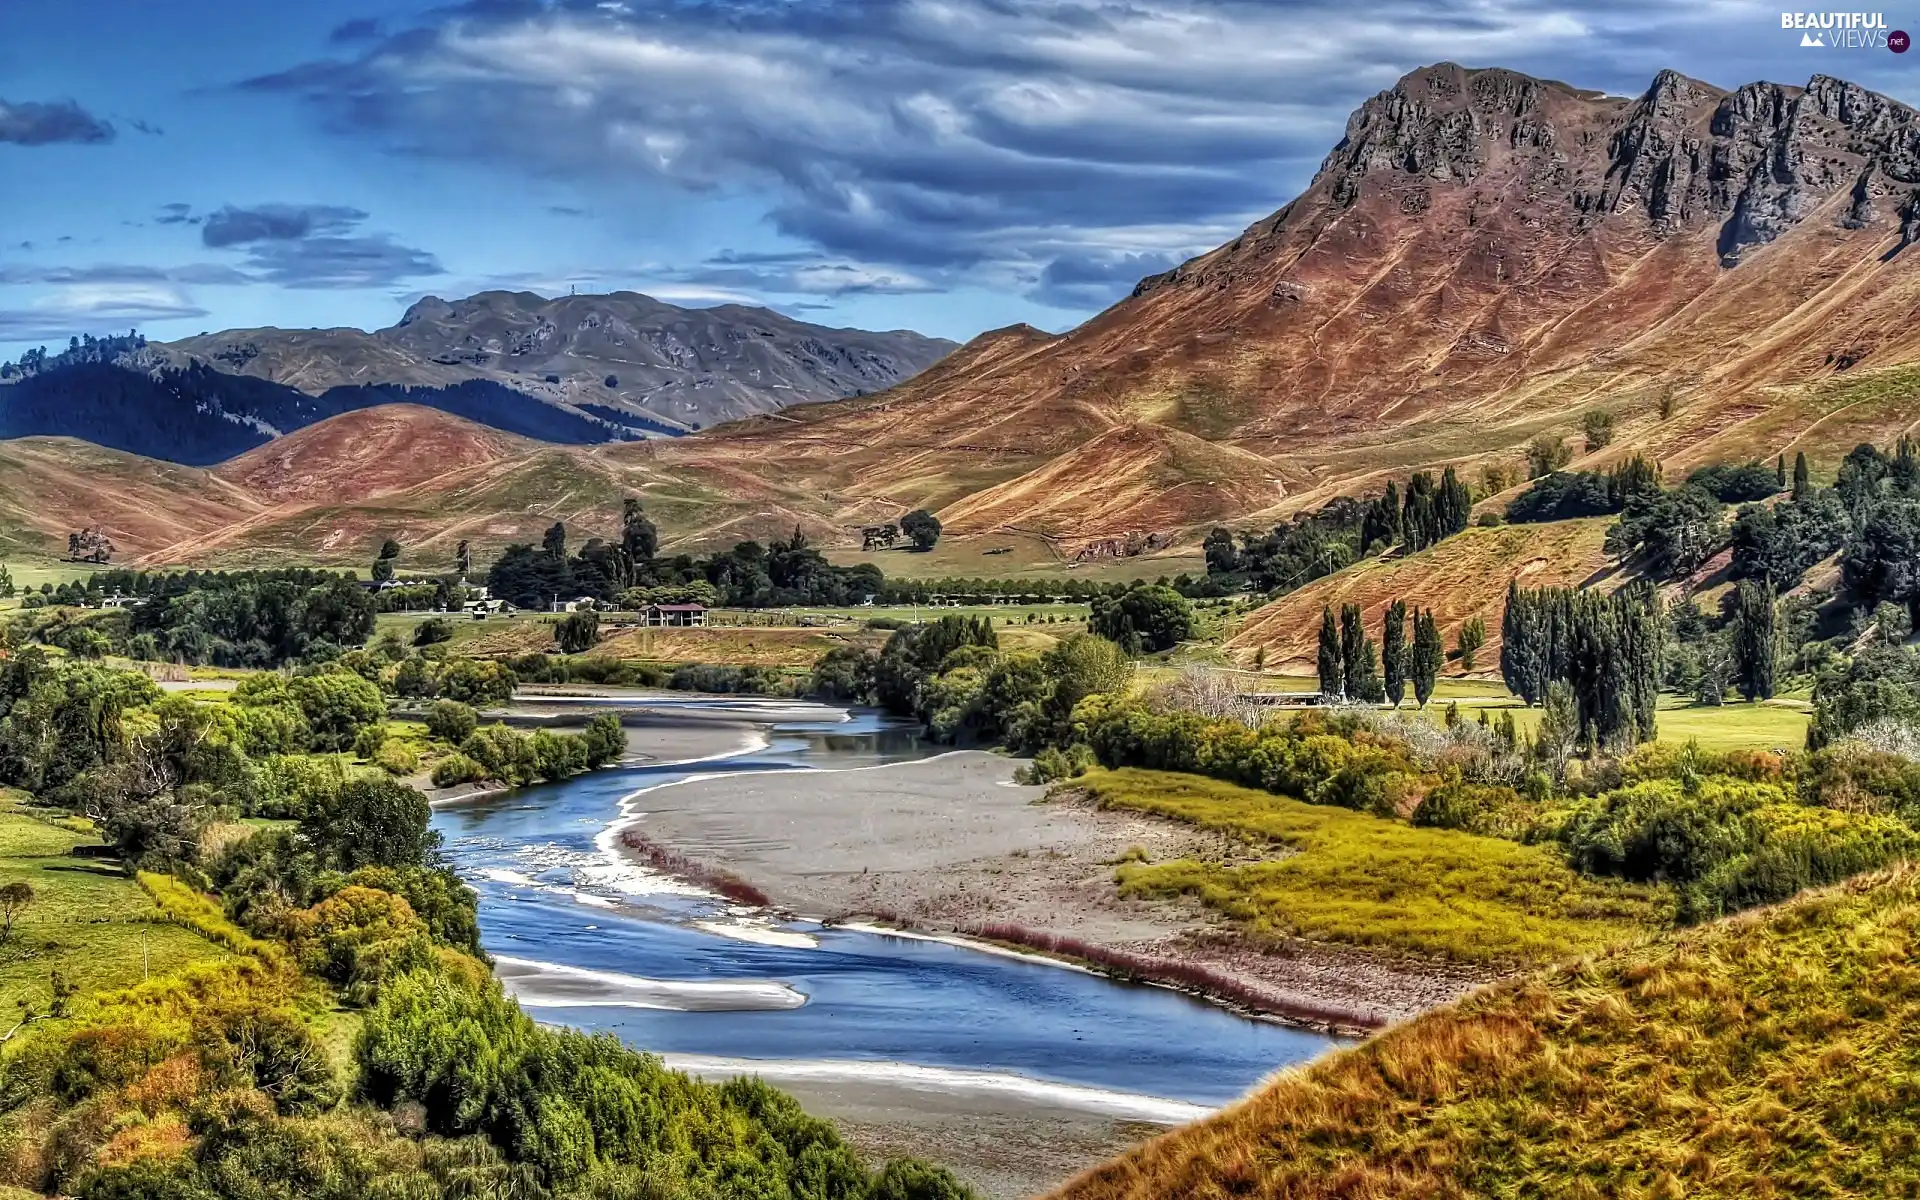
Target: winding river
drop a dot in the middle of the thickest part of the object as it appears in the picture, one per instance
(587, 938)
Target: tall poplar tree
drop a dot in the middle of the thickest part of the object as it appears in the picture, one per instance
(1393, 652)
(1428, 653)
(1756, 640)
(1353, 641)
(1802, 476)
(1333, 677)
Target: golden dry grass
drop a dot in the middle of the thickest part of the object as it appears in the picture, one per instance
(1769, 1055)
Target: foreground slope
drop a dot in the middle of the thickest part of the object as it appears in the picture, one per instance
(1483, 257)
(1769, 1055)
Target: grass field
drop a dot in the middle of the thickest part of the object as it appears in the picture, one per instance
(1773, 725)
(1769, 1055)
(1023, 556)
(89, 920)
(1335, 875)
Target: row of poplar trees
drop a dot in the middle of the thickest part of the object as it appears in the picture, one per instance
(1606, 649)
(1352, 669)
(1431, 512)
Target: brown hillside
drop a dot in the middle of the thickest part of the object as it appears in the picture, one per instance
(50, 487)
(1481, 258)
(1464, 576)
(368, 453)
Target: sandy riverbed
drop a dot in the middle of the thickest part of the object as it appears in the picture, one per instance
(951, 843)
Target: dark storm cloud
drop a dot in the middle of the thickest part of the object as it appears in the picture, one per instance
(314, 246)
(1024, 144)
(38, 123)
(232, 226)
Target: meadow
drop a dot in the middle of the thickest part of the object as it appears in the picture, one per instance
(1332, 874)
(1768, 1055)
(89, 920)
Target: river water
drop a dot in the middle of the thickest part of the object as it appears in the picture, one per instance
(586, 938)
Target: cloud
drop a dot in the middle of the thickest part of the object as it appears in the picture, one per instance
(94, 308)
(232, 226)
(15, 274)
(1039, 146)
(177, 214)
(38, 123)
(803, 274)
(314, 246)
(347, 33)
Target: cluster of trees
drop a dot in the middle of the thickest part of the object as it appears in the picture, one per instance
(1566, 495)
(1350, 667)
(1341, 532)
(787, 571)
(1605, 650)
(1143, 620)
(952, 676)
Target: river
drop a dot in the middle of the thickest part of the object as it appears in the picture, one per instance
(583, 936)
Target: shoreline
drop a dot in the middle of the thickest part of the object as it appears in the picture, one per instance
(949, 849)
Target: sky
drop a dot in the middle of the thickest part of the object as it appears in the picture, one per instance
(949, 166)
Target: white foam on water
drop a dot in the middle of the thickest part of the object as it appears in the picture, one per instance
(760, 934)
(556, 985)
(947, 1081)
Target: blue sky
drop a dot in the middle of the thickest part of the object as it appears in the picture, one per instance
(944, 165)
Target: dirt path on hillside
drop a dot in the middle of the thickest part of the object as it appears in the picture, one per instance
(953, 845)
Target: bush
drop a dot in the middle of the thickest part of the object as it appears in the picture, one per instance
(1054, 764)
(451, 721)
(397, 757)
(433, 631)
(456, 769)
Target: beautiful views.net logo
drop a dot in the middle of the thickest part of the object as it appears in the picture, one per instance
(1845, 31)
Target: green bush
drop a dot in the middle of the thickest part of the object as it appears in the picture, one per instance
(456, 769)
(451, 721)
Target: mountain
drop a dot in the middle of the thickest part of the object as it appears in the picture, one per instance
(619, 357)
(579, 369)
(1482, 258)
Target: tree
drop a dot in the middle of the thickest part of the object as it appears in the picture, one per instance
(433, 631)
(1428, 653)
(1082, 665)
(639, 540)
(922, 527)
(451, 721)
(1473, 635)
(1756, 640)
(463, 560)
(577, 632)
(1367, 686)
(1353, 641)
(371, 822)
(1780, 473)
(1559, 729)
(14, 899)
(554, 542)
(1143, 619)
(1597, 425)
(1672, 533)
(1545, 455)
(6, 583)
(336, 704)
(1333, 675)
(383, 562)
(1393, 652)
(1802, 476)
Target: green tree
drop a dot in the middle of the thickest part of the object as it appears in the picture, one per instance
(922, 527)
(554, 541)
(433, 631)
(1559, 730)
(371, 822)
(1393, 652)
(1368, 686)
(451, 721)
(1353, 643)
(1545, 455)
(1756, 640)
(6, 583)
(1082, 665)
(383, 563)
(1143, 619)
(577, 632)
(336, 704)
(14, 899)
(1428, 653)
(1333, 674)
(1802, 476)
(639, 540)
(1473, 636)
(1597, 425)
(463, 560)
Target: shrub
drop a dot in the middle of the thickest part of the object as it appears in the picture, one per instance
(451, 721)
(397, 757)
(456, 769)
(433, 631)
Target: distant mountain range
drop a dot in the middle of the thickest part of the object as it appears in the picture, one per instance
(1484, 258)
(575, 369)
